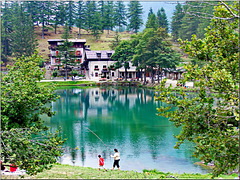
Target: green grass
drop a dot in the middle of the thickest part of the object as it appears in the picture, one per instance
(68, 83)
(76, 172)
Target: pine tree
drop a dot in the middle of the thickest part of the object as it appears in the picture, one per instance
(177, 21)
(152, 21)
(150, 12)
(134, 15)
(56, 16)
(109, 16)
(6, 29)
(42, 16)
(102, 12)
(70, 14)
(80, 19)
(23, 41)
(120, 14)
(162, 19)
(32, 8)
(65, 56)
(93, 19)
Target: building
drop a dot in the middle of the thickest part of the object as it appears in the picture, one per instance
(77, 51)
(98, 64)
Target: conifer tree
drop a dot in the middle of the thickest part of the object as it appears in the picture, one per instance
(80, 19)
(23, 41)
(6, 29)
(162, 19)
(70, 14)
(102, 12)
(135, 15)
(65, 55)
(43, 15)
(109, 16)
(120, 14)
(177, 21)
(152, 21)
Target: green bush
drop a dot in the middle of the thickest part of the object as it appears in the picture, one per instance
(55, 73)
(74, 73)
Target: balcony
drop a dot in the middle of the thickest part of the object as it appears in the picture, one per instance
(96, 69)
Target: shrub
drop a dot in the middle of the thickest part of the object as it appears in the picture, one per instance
(55, 73)
(74, 73)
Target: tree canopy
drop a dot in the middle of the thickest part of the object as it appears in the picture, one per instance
(210, 119)
(25, 140)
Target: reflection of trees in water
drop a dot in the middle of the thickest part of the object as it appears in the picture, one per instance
(131, 113)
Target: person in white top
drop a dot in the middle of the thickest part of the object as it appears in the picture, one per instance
(116, 157)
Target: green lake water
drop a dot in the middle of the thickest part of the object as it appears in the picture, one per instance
(124, 118)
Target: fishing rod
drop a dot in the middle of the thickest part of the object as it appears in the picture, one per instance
(99, 139)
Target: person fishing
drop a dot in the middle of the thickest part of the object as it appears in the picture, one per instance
(116, 157)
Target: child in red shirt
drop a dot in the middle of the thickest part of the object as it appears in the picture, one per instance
(101, 163)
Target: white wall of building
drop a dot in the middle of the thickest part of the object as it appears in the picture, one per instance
(95, 74)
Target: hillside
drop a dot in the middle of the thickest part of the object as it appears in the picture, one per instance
(102, 44)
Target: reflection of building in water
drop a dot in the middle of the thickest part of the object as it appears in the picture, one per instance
(100, 100)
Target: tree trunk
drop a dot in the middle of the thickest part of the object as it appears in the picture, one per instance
(55, 29)
(43, 29)
(145, 74)
(79, 32)
(152, 75)
(125, 74)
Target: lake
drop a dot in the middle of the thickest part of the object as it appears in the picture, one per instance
(123, 118)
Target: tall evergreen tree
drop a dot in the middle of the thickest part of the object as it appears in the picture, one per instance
(6, 29)
(80, 17)
(65, 55)
(102, 12)
(177, 21)
(32, 8)
(109, 16)
(135, 15)
(93, 22)
(70, 14)
(42, 16)
(90, 9)
(152, 21)
(150, 12)
(56, 16)
(23, 41)
(120, 14)
(162, 19)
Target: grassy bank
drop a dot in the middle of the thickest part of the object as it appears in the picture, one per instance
(68, 83)
(76, 172)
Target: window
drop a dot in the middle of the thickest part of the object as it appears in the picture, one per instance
(96, 67)
(112, 73)
(104, 67)
(98, 54)
(96, 74)
(78, 53)
(109, 54)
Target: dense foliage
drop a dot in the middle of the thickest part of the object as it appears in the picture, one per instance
(211, 118)
(191, 18)
(148, 51)
(22, 103)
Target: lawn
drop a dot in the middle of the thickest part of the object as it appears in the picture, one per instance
(77, 172)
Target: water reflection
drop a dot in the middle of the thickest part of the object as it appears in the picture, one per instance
(124, 118)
